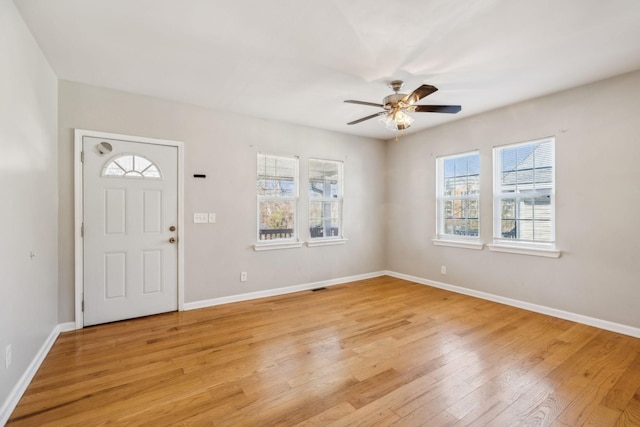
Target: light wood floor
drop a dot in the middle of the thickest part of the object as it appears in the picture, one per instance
(376, 352)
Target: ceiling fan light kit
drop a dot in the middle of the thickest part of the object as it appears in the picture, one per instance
(397, 105)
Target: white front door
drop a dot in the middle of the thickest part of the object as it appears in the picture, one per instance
(130, 212)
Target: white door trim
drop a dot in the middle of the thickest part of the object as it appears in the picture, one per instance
(79, 219)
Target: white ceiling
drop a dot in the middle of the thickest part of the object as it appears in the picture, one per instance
(297, 60)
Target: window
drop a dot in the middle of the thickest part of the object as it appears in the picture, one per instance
(325, 199)
(131, 166)
(458, 196)
(524, 193)
(277, 198)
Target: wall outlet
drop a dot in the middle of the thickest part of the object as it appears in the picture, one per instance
(212, 217)
(443, 269)
(243, 276)
(200, 218)
(7, 356)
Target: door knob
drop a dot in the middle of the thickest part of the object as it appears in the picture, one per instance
(172, 228)
(172, 240)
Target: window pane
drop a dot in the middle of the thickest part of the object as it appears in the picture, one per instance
(509, 229)
(473, 165)
(460, 186)
(508, 208)
(448, 227)
(140, 163)
(325, 204)
(276, 219)
(461, 207)
(277, 189)
(113, 169)
(460, 178)
(526, 177)
(473, 184)
(461, 227)
(544, 178)
(151, 172)
(324, 188)
(525, 208)
(527, 167)
(131, 166)
(324, 219)
(508, 159)
(448, 208)
(473, 209)
(543, 231)
(461, 166)
(449, 186)
(449, 168)
(542, 207)
(323, 169)
(324, 178)
(276, 176)
(125, 162)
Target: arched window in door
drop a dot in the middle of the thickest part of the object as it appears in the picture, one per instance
(131, 166)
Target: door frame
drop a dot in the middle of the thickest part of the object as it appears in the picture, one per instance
(79, 134)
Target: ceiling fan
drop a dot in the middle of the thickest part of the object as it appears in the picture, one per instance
(397, 105)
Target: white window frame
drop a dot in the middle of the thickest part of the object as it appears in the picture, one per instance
(327, 240)
(442, 238)
(279, 243)
(519, 246)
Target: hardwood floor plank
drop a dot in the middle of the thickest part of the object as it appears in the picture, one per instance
(631, 414)
(622, 392)
(331, 415)
(381, 351)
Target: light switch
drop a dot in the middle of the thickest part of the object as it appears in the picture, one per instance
(212, 217)
(200, 218)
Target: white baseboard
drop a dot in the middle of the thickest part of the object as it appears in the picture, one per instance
(14, 397)
(278, 291)
(578, 318)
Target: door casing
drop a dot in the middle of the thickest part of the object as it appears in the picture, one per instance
(79, 134)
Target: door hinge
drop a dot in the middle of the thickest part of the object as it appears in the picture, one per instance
(82, 230)
(82, 156)
(82, 306)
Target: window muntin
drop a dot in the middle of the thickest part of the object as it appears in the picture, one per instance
(277, 189)
(458, 196)
(325, 198)
(524, 192)
(131, 166)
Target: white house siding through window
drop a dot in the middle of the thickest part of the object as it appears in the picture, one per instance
(524, 192)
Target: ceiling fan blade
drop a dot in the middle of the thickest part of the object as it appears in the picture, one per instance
(373, 104)
(367, 118)
(451, 109)
(419, 93)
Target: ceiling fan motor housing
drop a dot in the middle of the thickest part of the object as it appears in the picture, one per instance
(391, 101)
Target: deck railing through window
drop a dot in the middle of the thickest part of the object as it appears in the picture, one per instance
(283, 233)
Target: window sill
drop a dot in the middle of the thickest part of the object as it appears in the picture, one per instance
(474, 244)
(275, 246)
(326, 242)
(525, 250)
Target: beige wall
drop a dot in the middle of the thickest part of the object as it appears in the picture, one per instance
(224, 147)
(597, 194)
(29, 194)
